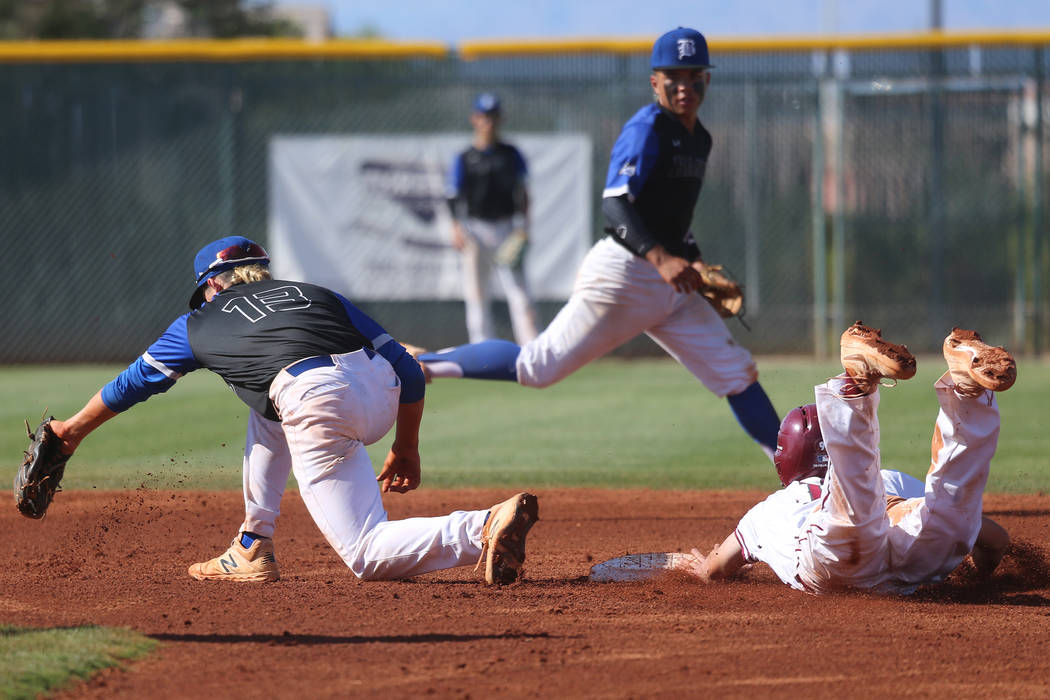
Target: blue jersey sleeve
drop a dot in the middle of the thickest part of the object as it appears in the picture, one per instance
(633, 156)
(155, 371)
(455, 177)
(413, 386)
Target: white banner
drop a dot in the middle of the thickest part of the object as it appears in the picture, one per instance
(367, 215)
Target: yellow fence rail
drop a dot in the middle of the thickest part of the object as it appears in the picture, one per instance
(295, 49)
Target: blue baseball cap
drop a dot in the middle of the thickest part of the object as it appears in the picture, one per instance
(487, 103)
(681, 48)
(222, 255)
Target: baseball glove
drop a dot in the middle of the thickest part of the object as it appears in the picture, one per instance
(41, 471)
(721, 291)
(512, 251)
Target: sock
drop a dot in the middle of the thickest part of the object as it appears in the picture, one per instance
(489, 359)
(248, 539)
(755, 413)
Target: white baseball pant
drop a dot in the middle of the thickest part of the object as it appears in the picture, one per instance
(618, 296)
(851, 541)
(483, 240)
(328, 416)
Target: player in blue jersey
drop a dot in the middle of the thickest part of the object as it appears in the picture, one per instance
(322, 380)
(489, 203)
(643, 276)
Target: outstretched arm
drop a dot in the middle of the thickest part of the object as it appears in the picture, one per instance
(153, 372)
(722, 562)
(72, 430)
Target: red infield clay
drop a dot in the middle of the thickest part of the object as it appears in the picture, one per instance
(111, 558)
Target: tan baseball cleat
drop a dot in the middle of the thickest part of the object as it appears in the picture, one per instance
(867, 358)
(503, 537)
(975, 365)
(256, 563)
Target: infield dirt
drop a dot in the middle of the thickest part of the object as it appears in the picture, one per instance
(120, 559)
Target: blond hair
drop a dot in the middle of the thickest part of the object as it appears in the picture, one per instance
(243, 274)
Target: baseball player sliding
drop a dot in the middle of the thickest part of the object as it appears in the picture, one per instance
(322, 380)
(643, 277)
(834, 526)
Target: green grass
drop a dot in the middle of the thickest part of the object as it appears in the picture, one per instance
(615, 423)
(35, 661)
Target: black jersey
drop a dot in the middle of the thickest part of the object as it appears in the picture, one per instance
(488, 184)
(661, 166)
(249, 332)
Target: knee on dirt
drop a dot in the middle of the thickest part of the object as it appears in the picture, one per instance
(369, 570)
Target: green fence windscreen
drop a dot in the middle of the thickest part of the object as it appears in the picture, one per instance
(902, 186)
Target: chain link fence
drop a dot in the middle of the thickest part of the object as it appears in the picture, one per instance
(904, 186)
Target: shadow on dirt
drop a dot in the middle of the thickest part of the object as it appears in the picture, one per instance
(1024, 569)
(289, 639)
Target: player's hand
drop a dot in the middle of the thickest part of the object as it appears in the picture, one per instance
(676, 271)
(69, 443)
(695, 564)
(400, 471)
(700, 266)
(459, 237)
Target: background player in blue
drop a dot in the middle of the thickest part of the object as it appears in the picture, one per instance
(643, 276)
(489, 202)
(322, 380)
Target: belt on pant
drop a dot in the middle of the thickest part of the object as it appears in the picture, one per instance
(297, 368)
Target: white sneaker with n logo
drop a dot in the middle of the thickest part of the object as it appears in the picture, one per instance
(256, 563)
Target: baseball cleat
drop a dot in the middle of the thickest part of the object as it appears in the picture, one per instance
(867, 358)
(975, 365)
(503, 537)
(256, 563)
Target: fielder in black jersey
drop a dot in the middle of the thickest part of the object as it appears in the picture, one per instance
(243, 336)
(643, 277)
(655, 175)
(489, 202)
(489, 182)
(322, 380)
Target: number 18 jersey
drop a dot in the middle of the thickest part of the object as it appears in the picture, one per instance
(246, 334)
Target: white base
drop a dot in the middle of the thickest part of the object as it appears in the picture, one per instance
(636, 567)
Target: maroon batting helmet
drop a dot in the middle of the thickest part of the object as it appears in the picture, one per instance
(800, 446)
